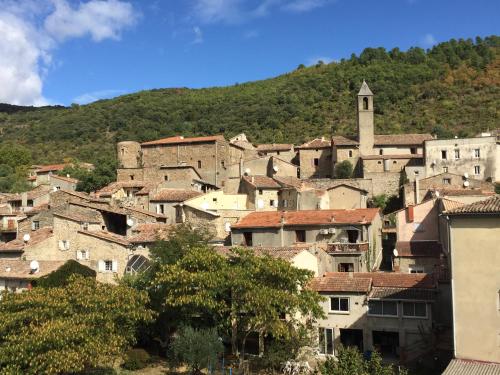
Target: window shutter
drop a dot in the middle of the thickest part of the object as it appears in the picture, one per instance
(100, 266)
(78, 255)
(67, 245)
(87, 254)
(157, 208)
(115, 266)
(61, 245)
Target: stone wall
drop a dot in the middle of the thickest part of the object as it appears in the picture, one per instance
(324, 166)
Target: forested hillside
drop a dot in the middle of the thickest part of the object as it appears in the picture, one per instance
(451, 89)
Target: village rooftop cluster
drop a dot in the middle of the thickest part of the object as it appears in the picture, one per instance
(392, 281)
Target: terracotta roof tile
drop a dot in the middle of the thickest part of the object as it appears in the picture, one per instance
(387, 156)
(179, 140)
(274, 147)
(402, 139)
(341, 284)
(107, 236)
(316, 143)
(35, 237)
(274, 219)
(432, 249)
(51, 168)
(262, 182)
(289, 181)
(340, 140)
(487, 206)
(150, 232)
(460, 192)
(403, 293)
(174, 195)
(286, 253)
(469, 367)
(392, 279)
(81, 217)
(449, 204)
(20, 269)
(64, 178)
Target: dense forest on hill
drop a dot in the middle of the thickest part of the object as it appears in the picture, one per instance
(450, 89)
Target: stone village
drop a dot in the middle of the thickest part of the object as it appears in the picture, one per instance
(404, 283)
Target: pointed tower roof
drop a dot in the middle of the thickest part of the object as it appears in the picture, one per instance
(365, 90)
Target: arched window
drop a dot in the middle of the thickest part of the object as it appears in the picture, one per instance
(365, 103)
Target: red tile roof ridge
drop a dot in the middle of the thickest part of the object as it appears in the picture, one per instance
(180, 139)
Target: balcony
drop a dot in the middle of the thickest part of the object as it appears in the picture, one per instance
(346, 247)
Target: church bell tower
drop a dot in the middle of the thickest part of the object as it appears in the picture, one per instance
(365, 120)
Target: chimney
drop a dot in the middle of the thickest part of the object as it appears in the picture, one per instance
(410, 214)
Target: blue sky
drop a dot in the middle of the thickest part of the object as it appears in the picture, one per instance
(64, 51)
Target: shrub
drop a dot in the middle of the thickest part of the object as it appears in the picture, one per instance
(136, 359)
(61, 276)
(343, 169)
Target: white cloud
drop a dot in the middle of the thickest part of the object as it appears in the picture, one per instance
(428, 40)
(99, 19)
(316, 59)
(30, 31)
(239, 11)
(96, 95)
(198, 35)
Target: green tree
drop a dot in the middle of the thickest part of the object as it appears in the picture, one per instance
(80, 326)
(197, 348)
(242, 292)
(343, 169)
(350, 361)
(64, 274)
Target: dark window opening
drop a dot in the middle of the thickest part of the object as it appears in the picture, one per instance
(339, 304)
(381, 152)
(165, 177)
(300, 235)
(247, 237)
(346, 267)
(131, 177)
(352, 236)
(352, 338)
(413, 150)
(316, 162)
(365, 103)
(444, 155)
(350, 153)
(199, 164)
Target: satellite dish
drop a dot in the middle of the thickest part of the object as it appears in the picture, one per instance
(437, 194)
(26, 237)
(276, 169)
(466, 183)
(130, 222)
(466, 175)
(247, 171)
(395, 253)
(34, 266)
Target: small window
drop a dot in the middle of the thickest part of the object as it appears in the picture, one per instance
(445, 169)
(30, 201)
(261, 192)
(326, 341)
(413, 150)
(381, 152)
(365, 103)
(477, 153)
(271, 203)
(416, 269)
(123, 151)
(477, 170)
(108, 265)
(131, 177)
(379, 162)
(247, 237)
(350, 153)
(387, 308)
(35, 225)
(222, 163)
(214, 199)
(457, 154)
(278, 153)
(414, 309)
(316, 162)
(162, 208)
(444, 154)
(165, 178)
(300, 235)
(416, 173)
(339, 304)
(199, 164)
(394, 162)
(346, 267)
(446, 181)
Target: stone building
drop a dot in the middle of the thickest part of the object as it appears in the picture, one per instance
(473, 231)
(351, 237)
(477, 157)
(283, 151)
(263, 192)
(207, 155)
(17, 275)
(164, 201)
(388, 312)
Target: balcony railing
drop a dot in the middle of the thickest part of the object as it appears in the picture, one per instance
(345, 247)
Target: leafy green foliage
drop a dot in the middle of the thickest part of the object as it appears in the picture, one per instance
(450, 89)
(197, 348)
(136, 359)
(204, 283)
(62, 276)
(497, 188)
(14, 161)
(343, 169)
(68, 329)
(350, 361)
(386, 203)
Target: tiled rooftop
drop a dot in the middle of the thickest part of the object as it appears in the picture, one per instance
(179, 140)
(469, 367)
(19, 244)
(20, 269)
(274, 147)
(419, 249)
(341, 284)
(262, 182)
(174, 195)
(402, 139)
(274, 219)
(487, 206)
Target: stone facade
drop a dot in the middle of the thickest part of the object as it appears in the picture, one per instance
(474, 157)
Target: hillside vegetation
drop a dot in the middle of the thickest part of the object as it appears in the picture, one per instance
(451, 89)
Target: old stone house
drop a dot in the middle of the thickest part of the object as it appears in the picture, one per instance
(388, 312)
(16, 275)
(164, 201)
(351, 237)
(263, 192)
